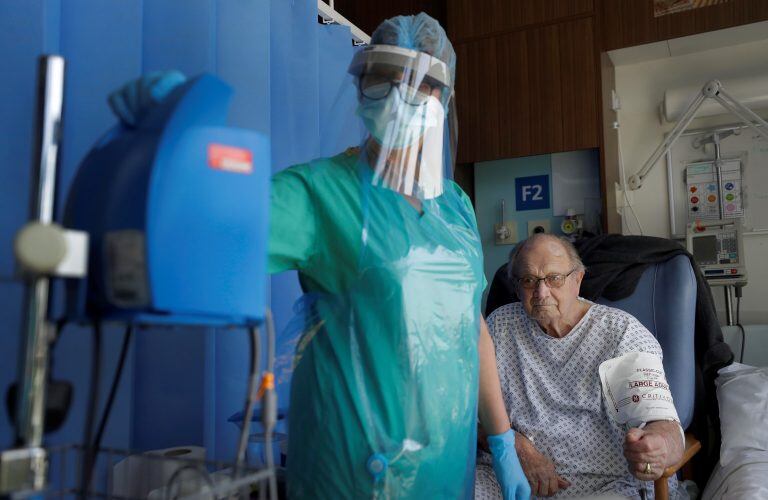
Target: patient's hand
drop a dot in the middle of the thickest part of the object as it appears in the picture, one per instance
(658, 444)
(539, 470)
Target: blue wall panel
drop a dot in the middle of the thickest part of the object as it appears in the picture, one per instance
(294, 122)
(243, 60)
(101, 43)
(26, 33)
(179, 34)
(101, 46)
(294, 86)
(340, 128)
(169, 376)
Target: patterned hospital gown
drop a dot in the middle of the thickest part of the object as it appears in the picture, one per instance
(552, 392)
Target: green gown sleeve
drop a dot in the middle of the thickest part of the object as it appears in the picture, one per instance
(468, 203)
(293, 225)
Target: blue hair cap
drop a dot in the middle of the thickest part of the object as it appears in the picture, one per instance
(420, 32)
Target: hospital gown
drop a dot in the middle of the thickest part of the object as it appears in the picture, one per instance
(552, 391)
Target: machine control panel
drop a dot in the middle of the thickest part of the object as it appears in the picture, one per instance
(718, 248)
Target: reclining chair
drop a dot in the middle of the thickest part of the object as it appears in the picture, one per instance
(665, 303)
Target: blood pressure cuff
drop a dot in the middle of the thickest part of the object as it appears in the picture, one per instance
(636, 389)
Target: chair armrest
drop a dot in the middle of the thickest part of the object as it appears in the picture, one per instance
(692, 446)
(661, 486)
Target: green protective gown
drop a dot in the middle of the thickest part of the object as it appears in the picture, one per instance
(384, 390)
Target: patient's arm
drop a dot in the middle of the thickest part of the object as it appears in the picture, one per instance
(539, 469)
(659, 444)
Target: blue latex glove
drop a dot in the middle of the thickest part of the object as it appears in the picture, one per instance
(506, 465)
(132, 101)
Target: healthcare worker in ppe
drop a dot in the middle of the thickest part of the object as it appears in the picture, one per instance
(392, 351)
(384, 392)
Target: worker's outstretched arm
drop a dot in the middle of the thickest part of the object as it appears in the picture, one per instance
(493, 415)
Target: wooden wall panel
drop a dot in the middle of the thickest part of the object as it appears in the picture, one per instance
(477, 100)
(579, 87)
(514, 89)
(467, 102)
(631, 22)
(544, 84)
(487, 125)
(528, 92)
(469, 19)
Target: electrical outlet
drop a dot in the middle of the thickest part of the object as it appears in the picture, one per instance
(506, 233)
(533, 224)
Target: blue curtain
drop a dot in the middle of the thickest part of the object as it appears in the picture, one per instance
(289, 74)
(311, 87)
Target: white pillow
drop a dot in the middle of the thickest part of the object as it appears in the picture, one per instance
(742, 394)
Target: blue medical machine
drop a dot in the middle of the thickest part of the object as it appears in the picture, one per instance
(177, 215)
(165, 223)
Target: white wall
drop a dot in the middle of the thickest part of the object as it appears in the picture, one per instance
(641, 88)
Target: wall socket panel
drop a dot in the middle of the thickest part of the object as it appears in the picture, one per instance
(511, 233)
(543, 223)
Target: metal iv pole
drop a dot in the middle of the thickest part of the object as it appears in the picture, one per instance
(25, 466)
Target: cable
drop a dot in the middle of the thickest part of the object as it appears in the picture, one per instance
(743, 341)
(57, 329)
(624, 183)
(89, 453)
(269, 405)
(738, 323)
(115, 384)
(253, 381)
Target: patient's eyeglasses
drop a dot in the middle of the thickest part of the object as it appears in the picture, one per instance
(530, 282)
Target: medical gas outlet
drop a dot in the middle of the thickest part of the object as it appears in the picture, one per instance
(505, 231)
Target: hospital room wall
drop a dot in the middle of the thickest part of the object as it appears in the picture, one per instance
(495, 181)
(573, 179)
(640, 88)
(174, 379)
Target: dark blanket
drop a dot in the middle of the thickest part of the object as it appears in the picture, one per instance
(614, 266)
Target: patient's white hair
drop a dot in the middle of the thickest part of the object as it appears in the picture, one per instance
(513, 267)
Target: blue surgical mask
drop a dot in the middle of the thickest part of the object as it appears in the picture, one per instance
(393, 122)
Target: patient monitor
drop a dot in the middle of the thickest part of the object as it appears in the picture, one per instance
(718, 248)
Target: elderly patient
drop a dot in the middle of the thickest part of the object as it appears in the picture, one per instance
(548, 350)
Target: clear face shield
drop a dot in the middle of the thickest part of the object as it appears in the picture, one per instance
(406, 104)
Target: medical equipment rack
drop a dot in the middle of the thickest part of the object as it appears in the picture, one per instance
(190, 478)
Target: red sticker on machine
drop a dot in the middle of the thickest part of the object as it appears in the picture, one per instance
(230, 158)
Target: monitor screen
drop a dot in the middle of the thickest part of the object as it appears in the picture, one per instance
(705, 249)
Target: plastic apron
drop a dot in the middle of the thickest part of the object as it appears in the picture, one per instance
(384, 391)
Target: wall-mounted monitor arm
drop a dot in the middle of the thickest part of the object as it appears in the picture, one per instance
(713, 89)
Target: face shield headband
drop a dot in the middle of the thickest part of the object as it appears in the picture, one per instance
(405, 102)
